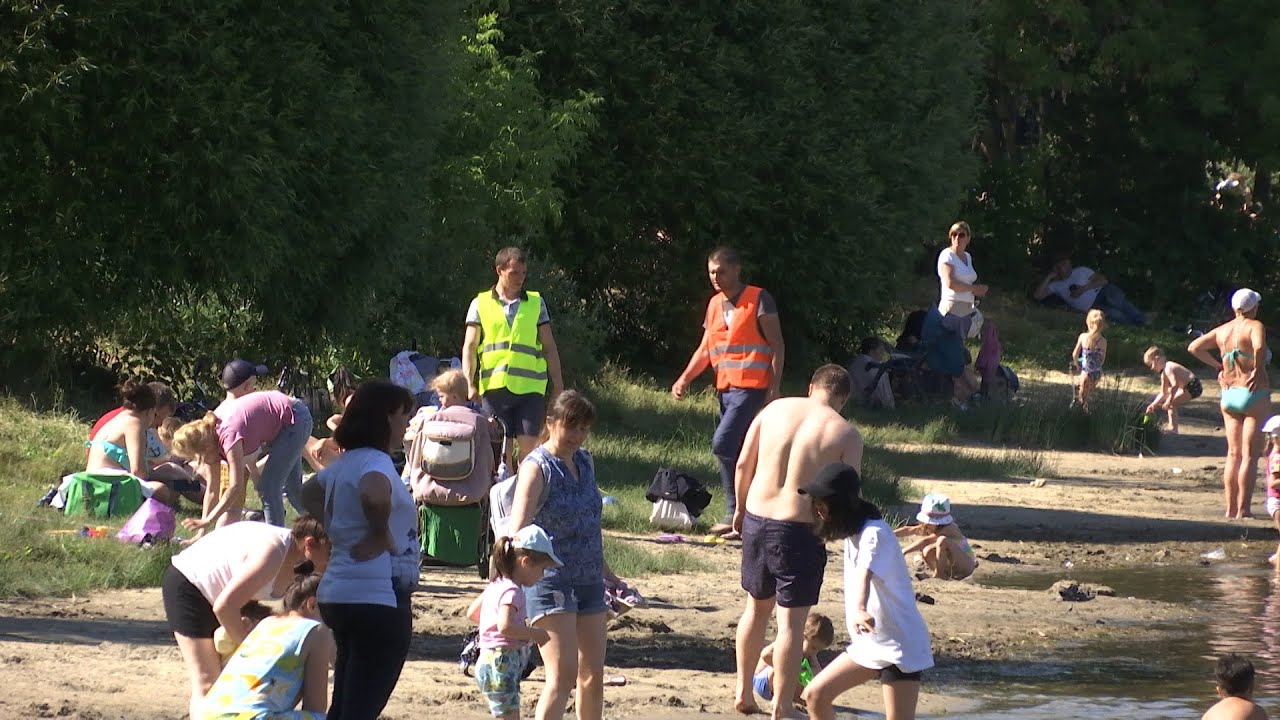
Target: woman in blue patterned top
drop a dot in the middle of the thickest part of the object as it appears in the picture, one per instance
(557, 490)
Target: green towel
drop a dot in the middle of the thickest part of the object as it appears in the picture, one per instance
(451, 534)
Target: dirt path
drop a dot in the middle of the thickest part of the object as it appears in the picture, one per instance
(110, 656)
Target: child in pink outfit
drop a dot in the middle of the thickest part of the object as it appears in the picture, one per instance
(1272, 430)
(500, 611)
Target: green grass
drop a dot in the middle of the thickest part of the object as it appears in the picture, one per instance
(36, 450)
(631, 558)
(961, 464)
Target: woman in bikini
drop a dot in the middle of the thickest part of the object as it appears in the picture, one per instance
(1246, 395)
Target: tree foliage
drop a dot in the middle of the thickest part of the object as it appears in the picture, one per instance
(820, 139)
(1106, 124)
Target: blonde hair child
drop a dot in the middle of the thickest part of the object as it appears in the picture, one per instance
(1088, 356)
(517, 562)
(819, 634)
(198, 442)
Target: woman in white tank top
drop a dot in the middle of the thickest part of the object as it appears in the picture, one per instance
(207, 584)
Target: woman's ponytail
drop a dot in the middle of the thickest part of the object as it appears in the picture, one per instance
(306, 581)
(502, 561)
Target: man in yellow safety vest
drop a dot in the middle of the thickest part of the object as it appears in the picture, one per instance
(509, 353)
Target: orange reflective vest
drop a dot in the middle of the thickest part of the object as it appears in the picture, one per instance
(741, 356)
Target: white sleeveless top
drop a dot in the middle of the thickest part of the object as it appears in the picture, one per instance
(369, 582)
(962, 271)
(213, 560)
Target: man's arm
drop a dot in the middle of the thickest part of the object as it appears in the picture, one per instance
(853, 450)
(699, 362)
(470, 344)
(552, 354)
(1096, 280)
(771, 326)
(746, 472)
(1043, 291)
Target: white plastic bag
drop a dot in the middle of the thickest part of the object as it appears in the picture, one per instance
(670, 515)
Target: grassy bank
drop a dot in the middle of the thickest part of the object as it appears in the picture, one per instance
(39, 552)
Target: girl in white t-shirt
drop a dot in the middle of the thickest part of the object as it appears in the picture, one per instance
(889, 637)
(957, 279)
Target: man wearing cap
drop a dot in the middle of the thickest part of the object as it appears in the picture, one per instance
(239, 378)
(509, 353)
(742, 341)
(787, 446)
(1083, 290)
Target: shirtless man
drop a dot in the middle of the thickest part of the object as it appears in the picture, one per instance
(782, 559)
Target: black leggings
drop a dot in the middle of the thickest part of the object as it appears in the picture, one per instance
(373, 642)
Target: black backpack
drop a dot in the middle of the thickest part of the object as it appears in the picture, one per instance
(673, 485)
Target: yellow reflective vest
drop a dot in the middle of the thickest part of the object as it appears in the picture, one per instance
(511, 356)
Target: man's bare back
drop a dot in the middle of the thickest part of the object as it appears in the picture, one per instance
(1235, 708)
(788, 443)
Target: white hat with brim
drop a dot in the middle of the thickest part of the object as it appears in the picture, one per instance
(1245, 300)
(935, 509)
(535, 539)
(1272, 425)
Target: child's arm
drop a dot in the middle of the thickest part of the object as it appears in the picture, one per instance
(766, 658)
(1075, 355)
(908, 530)
(509, 628)
(1101, 347)
(473, 612)
(814, 664)
(922, 542)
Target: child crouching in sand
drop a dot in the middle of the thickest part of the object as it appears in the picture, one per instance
(889, 638)
(945, 549)
(819, 633)
(517, 563)
(1235, 688)
(1178, 385)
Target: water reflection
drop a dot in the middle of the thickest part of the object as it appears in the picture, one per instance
(1247, 620)
(1168, 676)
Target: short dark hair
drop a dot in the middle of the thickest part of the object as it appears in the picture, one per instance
(726, 255)
(508, 255)
(870, 345)
(572, 409)
(137, 396)
(1235, 674)
(842, 516)
(364, 421)
(164, 395)
(818, 627)
(832, 378)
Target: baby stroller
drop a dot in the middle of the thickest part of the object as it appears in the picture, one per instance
(912, 366)
(452, 459)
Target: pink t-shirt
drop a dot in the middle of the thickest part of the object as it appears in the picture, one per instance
(501, 591)
(1273, 467)
(254, 420)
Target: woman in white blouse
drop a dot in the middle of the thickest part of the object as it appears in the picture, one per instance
(957, 279)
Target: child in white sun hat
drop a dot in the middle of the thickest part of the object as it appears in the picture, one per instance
(945, 549)
(1272, 430)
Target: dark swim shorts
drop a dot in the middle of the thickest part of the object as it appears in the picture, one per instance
(1194, 388)
(893, 674)
(783, 559)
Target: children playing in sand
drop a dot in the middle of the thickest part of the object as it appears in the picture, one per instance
(945, 549)
(1178, 385)
(1088, 356)
(500, 611)
(819, 633)
(1235, 676)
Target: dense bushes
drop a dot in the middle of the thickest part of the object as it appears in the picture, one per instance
(800, 132)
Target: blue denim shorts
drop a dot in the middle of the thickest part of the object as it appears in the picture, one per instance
(550, 596)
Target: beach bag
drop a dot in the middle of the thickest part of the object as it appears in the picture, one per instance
(103, 495)
(448, 449)
(154, 519)
(670, 515)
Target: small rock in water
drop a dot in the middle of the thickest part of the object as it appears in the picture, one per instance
(1072, 591)
(1038, 482)
(1218, 554)
(1162, 554)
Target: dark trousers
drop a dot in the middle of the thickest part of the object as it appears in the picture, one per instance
(373, 642)
(738, 407)
(1112, 301)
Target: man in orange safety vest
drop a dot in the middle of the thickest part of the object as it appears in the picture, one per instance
(742, 341)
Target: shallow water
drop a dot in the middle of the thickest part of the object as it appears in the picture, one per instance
(1231, 608)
